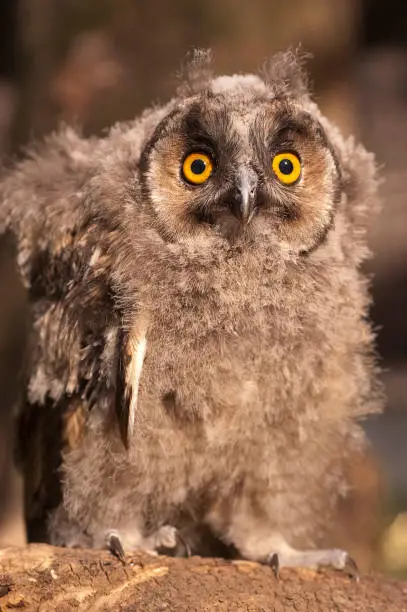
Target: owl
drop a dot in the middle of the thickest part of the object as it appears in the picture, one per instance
(201, 354)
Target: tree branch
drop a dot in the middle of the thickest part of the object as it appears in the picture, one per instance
(44, 578)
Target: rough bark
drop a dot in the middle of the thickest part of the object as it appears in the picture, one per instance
(41, 577)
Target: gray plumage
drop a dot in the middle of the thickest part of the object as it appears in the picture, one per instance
(201, 353)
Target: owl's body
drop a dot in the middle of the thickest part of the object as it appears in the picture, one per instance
(218, 328)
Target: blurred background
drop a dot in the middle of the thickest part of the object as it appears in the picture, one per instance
(94, 62)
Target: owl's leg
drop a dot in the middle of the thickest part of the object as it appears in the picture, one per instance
(253, 535)
(280, 554)
(166, 540)
(313, 559)
(277, 553)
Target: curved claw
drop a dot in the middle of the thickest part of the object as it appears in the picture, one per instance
(274, 562)
(184, 544)
(351, 568)
(115, 546)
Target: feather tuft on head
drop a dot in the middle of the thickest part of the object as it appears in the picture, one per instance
(285, 73)
(196, 72)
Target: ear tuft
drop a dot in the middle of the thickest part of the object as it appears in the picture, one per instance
(196, 72)
(286, 74)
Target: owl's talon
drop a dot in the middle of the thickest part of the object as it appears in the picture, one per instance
(351, 568)
(115, 546)
(274, 562)
(181, 541)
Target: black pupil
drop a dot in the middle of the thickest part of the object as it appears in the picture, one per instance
(198, 166)
(286, 166)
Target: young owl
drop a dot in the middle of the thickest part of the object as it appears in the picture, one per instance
(201, 351)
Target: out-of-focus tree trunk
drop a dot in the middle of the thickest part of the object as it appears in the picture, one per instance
(98, 62)
(8, 71)
(13, 332)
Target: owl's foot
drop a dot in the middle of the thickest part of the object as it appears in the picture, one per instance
(171, 542)
(314, 559)
(166, 540)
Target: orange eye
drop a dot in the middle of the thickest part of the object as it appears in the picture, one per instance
(287, 167)
(197, 168)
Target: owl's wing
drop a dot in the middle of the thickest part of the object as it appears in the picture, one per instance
(63, 212)
(73, 358)
(62, 247)
(64, 260)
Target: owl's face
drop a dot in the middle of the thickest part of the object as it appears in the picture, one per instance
(236, 159)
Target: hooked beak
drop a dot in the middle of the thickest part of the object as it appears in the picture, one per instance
(244, 201)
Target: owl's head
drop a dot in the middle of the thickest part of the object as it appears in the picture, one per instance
(243, 154)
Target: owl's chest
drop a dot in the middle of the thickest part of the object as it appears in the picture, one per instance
(229, 342)
(208, 356)
(198, 385)
(226, 371)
